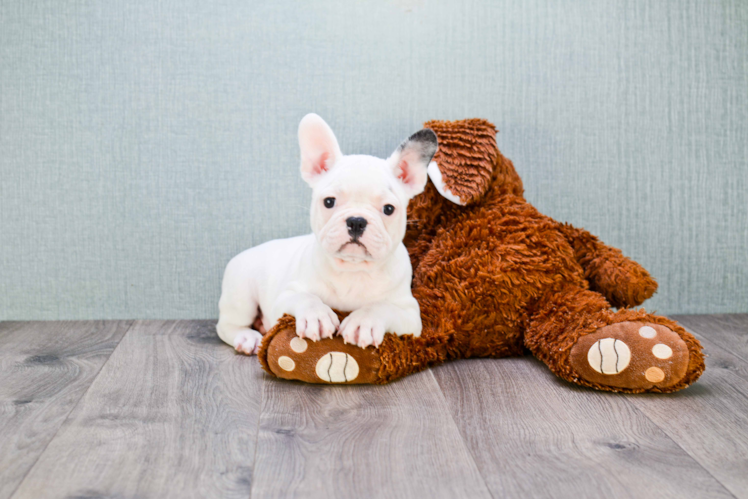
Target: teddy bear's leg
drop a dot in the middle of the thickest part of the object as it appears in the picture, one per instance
(622, 281)
(326, 361)
(332, 361)
(582, 340)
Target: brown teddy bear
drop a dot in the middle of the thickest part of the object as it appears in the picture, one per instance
(494, 278)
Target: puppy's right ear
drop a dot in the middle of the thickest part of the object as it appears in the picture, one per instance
(410, 159)
(319, 148)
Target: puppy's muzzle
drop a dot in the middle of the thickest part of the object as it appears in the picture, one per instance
(356, 226)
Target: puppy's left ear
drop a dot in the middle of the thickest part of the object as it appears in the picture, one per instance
(410, 160)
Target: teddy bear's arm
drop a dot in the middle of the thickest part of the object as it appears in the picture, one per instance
(623, 282)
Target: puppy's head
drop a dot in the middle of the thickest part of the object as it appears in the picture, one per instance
(359, 202)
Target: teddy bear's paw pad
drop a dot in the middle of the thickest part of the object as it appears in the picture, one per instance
(609, 356)
(327, 361)
(631, 355)
(337, 367)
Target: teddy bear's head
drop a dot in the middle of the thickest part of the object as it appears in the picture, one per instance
(467, 170)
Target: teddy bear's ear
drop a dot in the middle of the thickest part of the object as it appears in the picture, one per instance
(464, 165)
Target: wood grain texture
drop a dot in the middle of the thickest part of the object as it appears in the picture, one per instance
(396, 440)
(45, 368)
(533, 435)
(172, 414)
(709, 420)
(167, 410)
(728, 331)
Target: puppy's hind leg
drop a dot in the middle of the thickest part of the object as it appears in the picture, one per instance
(245, 340)
(235, 326)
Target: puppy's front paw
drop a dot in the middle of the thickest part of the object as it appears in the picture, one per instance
(317, 322)
(363, 328)
(248, 342)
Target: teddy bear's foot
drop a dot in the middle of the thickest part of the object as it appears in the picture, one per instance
(631, 355)
(327, 361)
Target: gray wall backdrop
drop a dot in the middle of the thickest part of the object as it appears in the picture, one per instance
(144, 143)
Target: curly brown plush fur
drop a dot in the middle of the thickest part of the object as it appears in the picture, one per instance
(495, 278)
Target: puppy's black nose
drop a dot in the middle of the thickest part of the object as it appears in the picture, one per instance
(356, 226)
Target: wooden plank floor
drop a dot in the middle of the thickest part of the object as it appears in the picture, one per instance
(164, 409)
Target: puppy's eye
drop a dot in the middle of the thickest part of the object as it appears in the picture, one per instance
(388, 210)
(329, 202)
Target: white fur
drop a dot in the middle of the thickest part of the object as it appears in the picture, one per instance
(307, 276)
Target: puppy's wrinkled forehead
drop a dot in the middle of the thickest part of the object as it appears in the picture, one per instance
(361, 176)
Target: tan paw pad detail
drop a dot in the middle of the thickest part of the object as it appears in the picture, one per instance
(661, 351)
(654, 374)
(647, 332)
(286, 363)
(337, 367)
(609, 356)
(298, 344)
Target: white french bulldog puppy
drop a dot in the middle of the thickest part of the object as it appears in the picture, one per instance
(354, 260)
